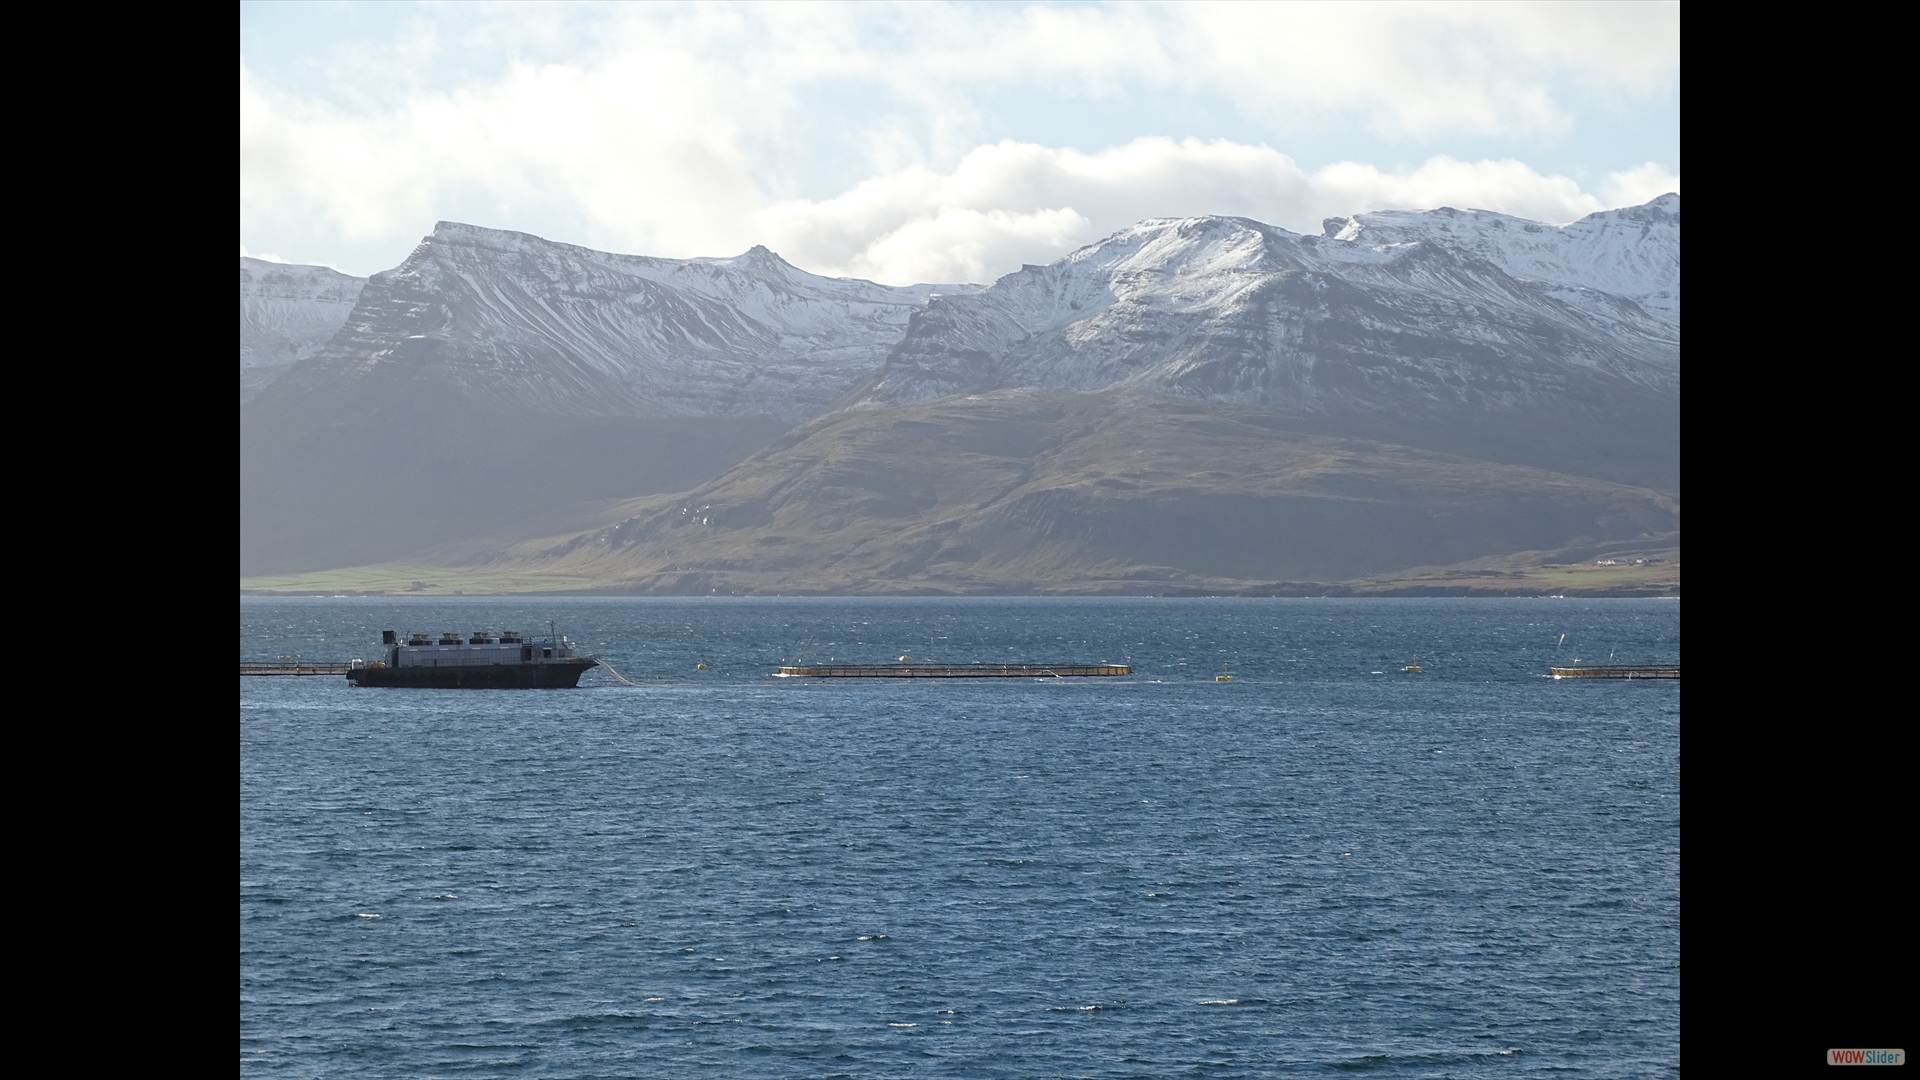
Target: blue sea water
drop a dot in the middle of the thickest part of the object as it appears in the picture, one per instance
(1325, 866)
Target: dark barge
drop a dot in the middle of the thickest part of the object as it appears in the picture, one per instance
(951, 671)
(480, 662)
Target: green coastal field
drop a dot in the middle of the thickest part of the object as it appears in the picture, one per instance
(1622, 573)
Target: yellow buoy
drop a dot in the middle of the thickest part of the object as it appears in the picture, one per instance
(1223, 676)
(700, 667)
(1415, 666)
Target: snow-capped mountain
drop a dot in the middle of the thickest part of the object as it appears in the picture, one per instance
(516, 320)
(1389, 311)
(287, 313)
(496, 383)
(1632, 252)
(494, 378)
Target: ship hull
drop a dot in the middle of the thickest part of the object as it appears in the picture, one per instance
(557, 675)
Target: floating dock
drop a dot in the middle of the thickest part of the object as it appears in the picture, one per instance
(293, 669)
(1651, 672)
(951, 671)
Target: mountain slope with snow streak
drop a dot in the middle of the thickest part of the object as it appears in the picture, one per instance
(514, 319)
(495, 379)
(1233, 310)
(287, 314)
(1449, 332)
(1632, 252)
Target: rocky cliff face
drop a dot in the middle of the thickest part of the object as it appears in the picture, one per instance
(512, 320)
(1631, 253)
(287, 313)
(1394, 308)
(1396, 324)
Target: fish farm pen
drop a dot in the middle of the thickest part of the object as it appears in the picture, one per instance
(951, 671)
(1650, 672)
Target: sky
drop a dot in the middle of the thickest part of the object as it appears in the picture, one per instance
(930, 142)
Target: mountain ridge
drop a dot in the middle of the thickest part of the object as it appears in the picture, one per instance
(496, 383)
(573, 331)
(1070, 325)
(288, 312)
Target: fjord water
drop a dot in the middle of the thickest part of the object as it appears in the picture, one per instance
(1325, 865)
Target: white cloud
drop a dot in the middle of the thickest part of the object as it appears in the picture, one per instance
(1012, 203)
(677, 131)
(1638, 184)
(645, 150)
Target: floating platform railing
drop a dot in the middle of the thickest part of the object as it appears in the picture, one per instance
(293, 669)
(949, 671)
(1651, 671)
